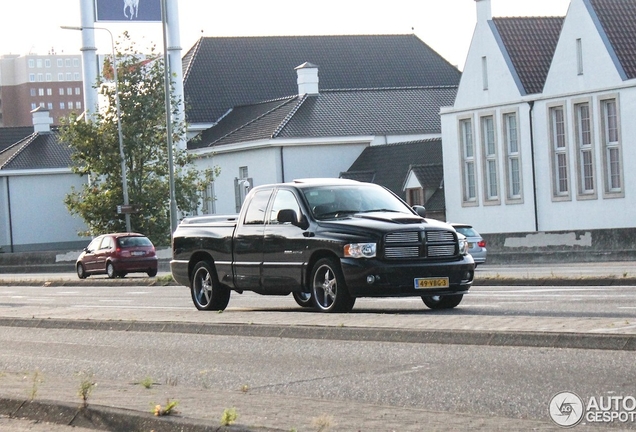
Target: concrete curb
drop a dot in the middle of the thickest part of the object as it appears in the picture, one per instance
(105, 418)
(482, 281)
(451, 337)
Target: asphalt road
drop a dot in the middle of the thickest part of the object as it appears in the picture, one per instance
(286, 382)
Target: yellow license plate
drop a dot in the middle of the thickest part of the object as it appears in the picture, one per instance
(427, 283)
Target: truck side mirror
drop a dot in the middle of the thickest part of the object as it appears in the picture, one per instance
(420, 210)
(289, 215)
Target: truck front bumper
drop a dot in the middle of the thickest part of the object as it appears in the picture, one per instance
(375, 278)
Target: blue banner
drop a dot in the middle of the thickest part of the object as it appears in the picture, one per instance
(128, 10)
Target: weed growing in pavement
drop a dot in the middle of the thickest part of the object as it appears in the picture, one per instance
(172, 381)
(323, 423)
(147, 382)
(229, 416)
(86, 387)
(167, 410)
(35, 383)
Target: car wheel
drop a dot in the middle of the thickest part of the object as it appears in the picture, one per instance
(303, 299)
(110, 271)
(328, 288)
(81, 271)
(442, 302)
(207, 292)
(152, 273)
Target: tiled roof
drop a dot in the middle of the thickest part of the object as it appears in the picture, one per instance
(429, 175)
(390, 163)
(333, 114)
(11, 135)
(529, 43)
(37, 151)
(618, 21)
(437, 202)
(224, 72)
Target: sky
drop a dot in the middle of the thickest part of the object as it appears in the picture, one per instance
(33, 26)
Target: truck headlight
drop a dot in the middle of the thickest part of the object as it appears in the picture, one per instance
(360, 250)
(463, 244)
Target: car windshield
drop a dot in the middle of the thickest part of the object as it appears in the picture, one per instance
(344, 200)
(127, 242)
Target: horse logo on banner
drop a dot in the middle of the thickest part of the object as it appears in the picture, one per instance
(132, 6)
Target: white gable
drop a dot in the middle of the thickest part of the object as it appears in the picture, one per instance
(598, 68)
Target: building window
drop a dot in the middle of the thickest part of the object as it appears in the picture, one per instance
(61, 91)
(33, 106)
(579, 57)
(40, 77)
(50, 105)
(47, 63)
(69, 91)
(69, 76)
(49, 77)
(209, 199)
(583, 124)
(67, 62)
(32, 92)
(611, 147)
(60, 76)
(31, 63)
(75, 62)
(31, 77)
(38, 63)
(76, 76)
(490, 157)
(513, 156)
(468, 161)
(62, 106)
(60, 62)
(484, 72)
(78, 105)
(49, 92)
(40, 92)
(41, 104)
(414, 196)
(77, 90)
(559, 152)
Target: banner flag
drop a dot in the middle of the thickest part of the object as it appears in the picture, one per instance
(128, 10)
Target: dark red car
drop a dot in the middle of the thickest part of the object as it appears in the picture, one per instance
(116, 255)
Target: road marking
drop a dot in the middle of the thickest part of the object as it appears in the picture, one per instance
(130, 307)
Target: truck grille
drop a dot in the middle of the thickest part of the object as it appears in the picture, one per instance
(419, 244)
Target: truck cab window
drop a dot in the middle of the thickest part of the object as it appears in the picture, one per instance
(285, 200)
(255, 214)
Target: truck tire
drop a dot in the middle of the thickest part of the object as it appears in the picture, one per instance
(207, 292)
(303, 299)
(328, 289)
(442, 302)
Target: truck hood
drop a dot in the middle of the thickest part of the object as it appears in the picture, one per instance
(383, 222)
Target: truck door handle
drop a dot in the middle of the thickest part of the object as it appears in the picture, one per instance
(309, 234)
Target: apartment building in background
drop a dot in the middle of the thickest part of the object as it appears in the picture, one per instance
(53, 82)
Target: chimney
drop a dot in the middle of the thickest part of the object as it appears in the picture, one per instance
(307, 79)
(484, 11)
(41, 120)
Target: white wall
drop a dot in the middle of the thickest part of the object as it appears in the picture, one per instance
(38, 213)
(265, 166)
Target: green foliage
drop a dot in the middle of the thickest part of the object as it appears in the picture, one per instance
(96, 152)
(229, 416)
(86, 387)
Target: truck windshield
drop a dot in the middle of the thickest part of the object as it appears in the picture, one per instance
(344, 200)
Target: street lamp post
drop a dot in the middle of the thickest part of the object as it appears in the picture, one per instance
(124, 176)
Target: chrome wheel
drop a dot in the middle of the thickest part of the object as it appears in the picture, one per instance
(207, 292)
(81, 271)
(110, 270)
(303, 299)
(329, 291)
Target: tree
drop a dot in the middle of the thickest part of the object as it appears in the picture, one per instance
(96, 154)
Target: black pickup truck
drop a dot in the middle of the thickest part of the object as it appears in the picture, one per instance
(325, 241)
